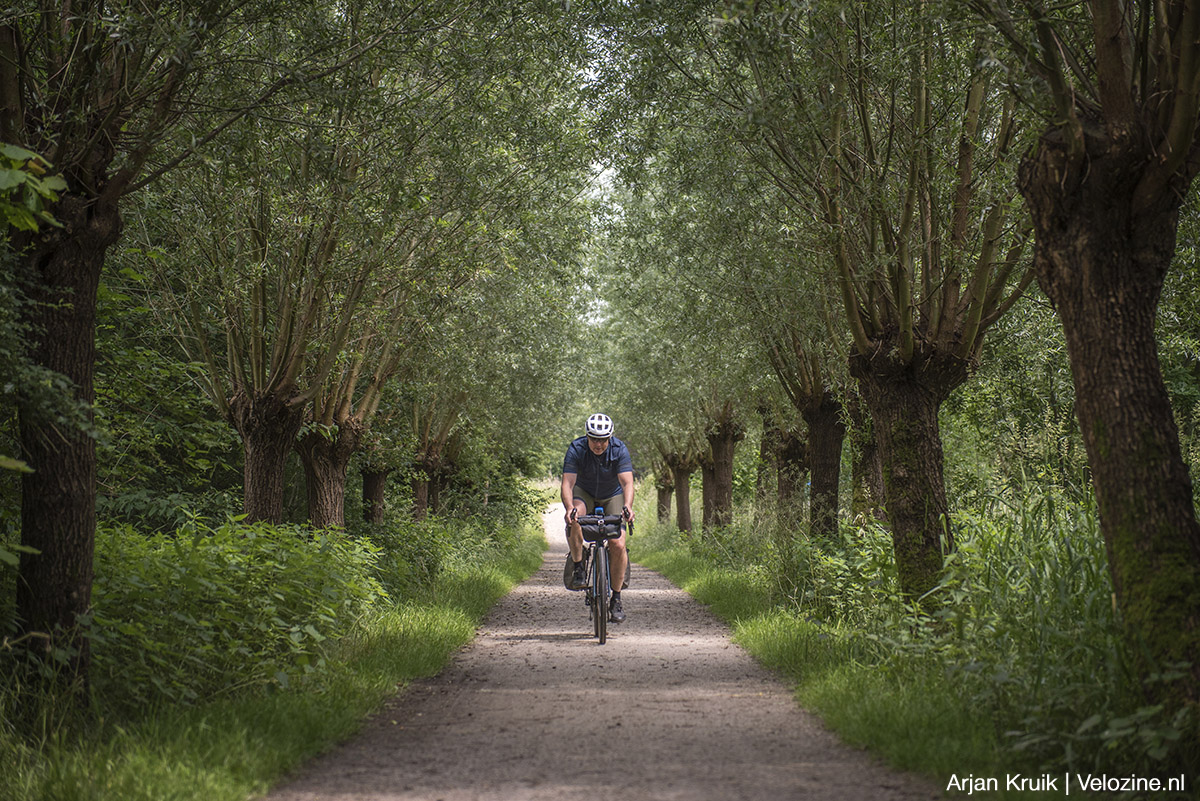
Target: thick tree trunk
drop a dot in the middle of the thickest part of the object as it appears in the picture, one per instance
(326, 458)
(826, 433)
(904, 400)
(374, 493)
(866, 480)
(268, 424)
(420, 496)
(58, 499)
(722, 442)
(1103, 267)
(663, 507)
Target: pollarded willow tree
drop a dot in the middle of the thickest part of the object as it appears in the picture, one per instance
(1119, 86)
(99, 89)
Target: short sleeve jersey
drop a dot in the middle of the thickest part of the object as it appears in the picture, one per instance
(597, 475)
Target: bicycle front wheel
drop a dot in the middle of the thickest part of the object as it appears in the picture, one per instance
(600, 592)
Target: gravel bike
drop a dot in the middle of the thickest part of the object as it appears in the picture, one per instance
(598, 529)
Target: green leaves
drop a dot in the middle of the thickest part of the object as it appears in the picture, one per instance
(209, 610)
(26, 191)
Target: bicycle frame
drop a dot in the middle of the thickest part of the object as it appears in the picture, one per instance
(608, 527)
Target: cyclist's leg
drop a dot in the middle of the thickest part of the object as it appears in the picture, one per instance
(583, 506)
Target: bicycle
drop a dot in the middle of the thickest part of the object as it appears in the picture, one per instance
(598, 529)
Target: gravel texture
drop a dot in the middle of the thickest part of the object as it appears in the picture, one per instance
(534, 708)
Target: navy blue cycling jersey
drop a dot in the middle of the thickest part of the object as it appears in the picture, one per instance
(597, 475)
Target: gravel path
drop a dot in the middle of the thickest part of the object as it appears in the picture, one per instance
(683, 714)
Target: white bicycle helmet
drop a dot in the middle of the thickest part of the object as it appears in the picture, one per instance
(599, 426)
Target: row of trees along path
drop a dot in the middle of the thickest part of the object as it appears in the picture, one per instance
(903, 209)
(843, 190)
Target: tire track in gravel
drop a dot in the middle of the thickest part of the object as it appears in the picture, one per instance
(534, 708)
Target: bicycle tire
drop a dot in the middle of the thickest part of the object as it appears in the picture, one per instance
(590, 591)
(602, 590)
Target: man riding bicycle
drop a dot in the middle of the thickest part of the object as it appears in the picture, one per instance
(598, 472)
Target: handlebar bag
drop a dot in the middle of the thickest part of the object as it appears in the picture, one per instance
(592, 525)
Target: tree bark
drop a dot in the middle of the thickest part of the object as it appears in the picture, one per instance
(58, 499)
(268, 424)
(422, 479)
(708, 495)
(326, 457)
(867, 482)
(439, 482)
(866, 470)
(1102, 261)
(681, 471)
(664, 484)
(722, 442)
(904, 399)
(768, 458)
(826, 434)
(374, 493)
(792, 460)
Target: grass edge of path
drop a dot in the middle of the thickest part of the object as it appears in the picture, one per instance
(238, 748)
(913, 723)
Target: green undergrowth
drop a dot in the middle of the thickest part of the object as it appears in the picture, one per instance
(1022, 671)
(234, 743)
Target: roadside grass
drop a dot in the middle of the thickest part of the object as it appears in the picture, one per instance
(238, 747)
(907, 711)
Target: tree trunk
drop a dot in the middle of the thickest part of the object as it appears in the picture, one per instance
(58, 499)
(826, 433)
(420, 495)
(374, 493)
(768, 458)
(867, 482)
(722, 441)
(422, 480)
(681, 473)
(439, 483)
(792, 460)
(326, 456)
(1102, 264)
(904, 400)
(664, 483)
(866, 478)
(708, 483)
(268, 424)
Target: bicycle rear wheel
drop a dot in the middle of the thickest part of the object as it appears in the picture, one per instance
(600, 592)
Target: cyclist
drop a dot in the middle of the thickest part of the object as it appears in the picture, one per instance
(598, 471)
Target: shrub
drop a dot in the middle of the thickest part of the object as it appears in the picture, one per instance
(205, 611)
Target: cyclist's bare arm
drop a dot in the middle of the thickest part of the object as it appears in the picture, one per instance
(568, 496)
(626, 481)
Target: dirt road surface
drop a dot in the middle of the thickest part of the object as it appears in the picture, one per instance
(536, 709)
